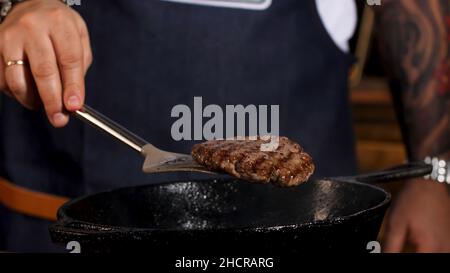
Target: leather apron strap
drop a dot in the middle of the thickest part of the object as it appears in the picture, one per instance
(31, 203)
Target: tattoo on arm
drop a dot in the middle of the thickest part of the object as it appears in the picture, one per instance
(414, 40)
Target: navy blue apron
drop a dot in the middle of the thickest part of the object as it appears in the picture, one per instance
(152, 55)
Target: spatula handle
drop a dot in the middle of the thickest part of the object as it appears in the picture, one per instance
(103, 123)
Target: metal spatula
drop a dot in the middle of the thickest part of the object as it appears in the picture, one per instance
(156, 160)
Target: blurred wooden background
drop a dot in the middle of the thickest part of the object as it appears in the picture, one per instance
(379, 141)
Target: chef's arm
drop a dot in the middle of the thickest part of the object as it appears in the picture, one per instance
(414, 37)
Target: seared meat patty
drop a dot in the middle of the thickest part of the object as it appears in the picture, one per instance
(287, 166)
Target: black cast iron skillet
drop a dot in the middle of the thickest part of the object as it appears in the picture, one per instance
(232, 217)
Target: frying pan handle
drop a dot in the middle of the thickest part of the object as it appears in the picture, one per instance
(406, 171)
(101, 122)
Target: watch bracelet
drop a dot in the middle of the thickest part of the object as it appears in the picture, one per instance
(441, 169)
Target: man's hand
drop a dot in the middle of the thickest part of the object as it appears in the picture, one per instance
(54, 42)
(420, 217)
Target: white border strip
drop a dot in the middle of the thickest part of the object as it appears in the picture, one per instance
(227, 4)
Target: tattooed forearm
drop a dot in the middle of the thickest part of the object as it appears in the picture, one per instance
(415, 43)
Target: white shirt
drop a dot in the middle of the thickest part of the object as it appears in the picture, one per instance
(340, 19)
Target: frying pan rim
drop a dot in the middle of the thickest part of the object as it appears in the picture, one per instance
(64, 218)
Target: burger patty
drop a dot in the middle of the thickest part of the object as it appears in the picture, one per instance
(288, 165)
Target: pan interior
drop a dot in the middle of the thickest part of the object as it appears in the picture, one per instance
(224, 204)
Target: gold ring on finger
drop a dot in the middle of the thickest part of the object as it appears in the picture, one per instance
(15, 62)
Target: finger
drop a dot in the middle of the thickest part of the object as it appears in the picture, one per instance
(35, 100)
(44, 69)
(16, 78)
(425, 242)
(426, 248)
(86, 43)
(87, 54)
(3, 86)
(69, 53)
(20, 86)
(395, 237)
(13, 75)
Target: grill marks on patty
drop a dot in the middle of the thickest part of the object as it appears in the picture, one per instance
(288, 165)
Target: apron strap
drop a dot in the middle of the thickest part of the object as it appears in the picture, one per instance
(32, 203)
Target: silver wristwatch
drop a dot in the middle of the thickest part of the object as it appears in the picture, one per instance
(441, 170)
